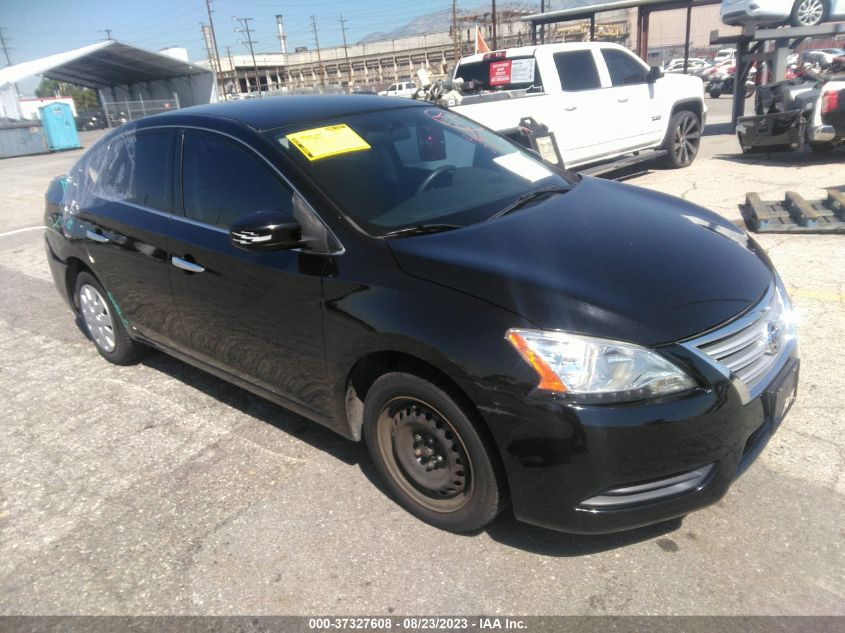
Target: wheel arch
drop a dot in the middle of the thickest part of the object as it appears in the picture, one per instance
(375, 364)
(75, 266)
(696, 106)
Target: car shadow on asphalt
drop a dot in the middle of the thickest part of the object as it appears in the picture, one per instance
(505, 529)
(786, 157)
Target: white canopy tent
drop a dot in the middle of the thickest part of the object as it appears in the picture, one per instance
(118, 72)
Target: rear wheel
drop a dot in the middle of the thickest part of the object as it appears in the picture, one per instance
(102, 323)
(682, 139)
(808, 12)
(436, 462)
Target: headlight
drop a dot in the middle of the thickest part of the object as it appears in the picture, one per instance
(597, 370)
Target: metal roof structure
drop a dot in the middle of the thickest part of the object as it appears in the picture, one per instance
(101, 65)
(585, 10)
(119, 73)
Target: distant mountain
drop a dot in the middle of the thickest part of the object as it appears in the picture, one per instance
(438, 21)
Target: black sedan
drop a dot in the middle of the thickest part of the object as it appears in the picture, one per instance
(495, 329)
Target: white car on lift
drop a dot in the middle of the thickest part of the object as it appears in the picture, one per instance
(776, 12)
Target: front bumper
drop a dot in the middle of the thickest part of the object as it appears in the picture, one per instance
(598, 469)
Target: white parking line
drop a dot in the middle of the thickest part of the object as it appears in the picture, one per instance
(24, 230)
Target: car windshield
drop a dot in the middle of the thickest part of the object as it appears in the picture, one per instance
(394, 169)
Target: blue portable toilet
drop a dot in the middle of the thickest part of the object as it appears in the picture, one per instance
(59, 126)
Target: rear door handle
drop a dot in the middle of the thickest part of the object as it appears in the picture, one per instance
(570, 108)
(623, 100)
(184, 264)
(96, 237)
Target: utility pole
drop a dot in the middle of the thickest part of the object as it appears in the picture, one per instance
(495, 45)
(456, 34)
(346, 51)
(317, 42)
(219, 70)
(232, 72)
(244, 23)
(108, 33)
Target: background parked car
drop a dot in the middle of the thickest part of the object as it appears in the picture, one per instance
(774, 12)
(92, 120)
(402, 89)
(821, 57)
(693, 64)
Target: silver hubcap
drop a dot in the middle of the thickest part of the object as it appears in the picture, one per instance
(810, 12)
(97, 317)
(687, 138)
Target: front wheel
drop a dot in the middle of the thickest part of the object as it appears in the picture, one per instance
(434, 459)
(808, 12)
(683, 138)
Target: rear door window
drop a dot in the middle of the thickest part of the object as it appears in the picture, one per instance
(577, 70)
(139, 170)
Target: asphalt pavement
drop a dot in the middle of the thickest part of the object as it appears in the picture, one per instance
(159, 489)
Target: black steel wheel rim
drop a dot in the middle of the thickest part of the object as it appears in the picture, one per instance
(424, 454)
(687, 138)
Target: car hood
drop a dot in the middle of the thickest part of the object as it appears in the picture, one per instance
(604, 259)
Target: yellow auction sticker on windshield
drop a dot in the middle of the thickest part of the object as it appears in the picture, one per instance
(322, 142)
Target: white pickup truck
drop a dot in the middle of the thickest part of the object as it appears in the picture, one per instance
(598, 101)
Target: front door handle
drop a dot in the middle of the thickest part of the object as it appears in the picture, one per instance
(96, 237)
(623, 100)
(184, 264)
(570, 108)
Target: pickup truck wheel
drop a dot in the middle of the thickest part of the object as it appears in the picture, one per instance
(102, 322)
(808, 12)
(682, 139)
(431, 456)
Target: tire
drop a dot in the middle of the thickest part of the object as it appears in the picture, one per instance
(715, 92)
(100, 322)
(809, 12)
(683, 139)
(436, 462)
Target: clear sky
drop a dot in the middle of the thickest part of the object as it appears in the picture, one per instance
(34, 28)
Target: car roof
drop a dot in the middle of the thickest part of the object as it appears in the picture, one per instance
(272, 112)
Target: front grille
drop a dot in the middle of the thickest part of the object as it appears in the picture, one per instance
(752, 346)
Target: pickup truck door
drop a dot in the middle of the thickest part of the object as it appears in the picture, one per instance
(636, 119)
(584, 132)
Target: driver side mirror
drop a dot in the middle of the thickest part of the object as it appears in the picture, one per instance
(654, 73)
(265, 231)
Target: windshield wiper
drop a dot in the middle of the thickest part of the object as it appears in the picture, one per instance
(422, 229)
(528, 197)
